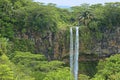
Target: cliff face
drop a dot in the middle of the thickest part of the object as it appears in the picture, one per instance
(56, 45)
(53, 45)
(110, 42)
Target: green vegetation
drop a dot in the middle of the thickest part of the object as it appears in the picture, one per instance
(6, 72)
(36, 65)
(28, 66)
(60, 74)
(108, 69)
(34, 40)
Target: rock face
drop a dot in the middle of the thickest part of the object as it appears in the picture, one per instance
(109, 44)
(53, 45)
(56, 45)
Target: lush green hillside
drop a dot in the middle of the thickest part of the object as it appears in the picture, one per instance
(34, 40)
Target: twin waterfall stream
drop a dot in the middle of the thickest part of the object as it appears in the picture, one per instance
(74, 52)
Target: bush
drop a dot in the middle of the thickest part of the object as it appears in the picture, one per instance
(59, 74)
(6, 72)
(108, 69)
(83, 77)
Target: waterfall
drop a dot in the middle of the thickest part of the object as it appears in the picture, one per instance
(74, 55)
(71, 51)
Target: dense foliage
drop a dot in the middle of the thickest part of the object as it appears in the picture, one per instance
(31, 23)
(33, 35)
(28, 66)
(109, 69)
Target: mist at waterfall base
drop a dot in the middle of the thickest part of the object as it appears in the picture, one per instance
(74, 52)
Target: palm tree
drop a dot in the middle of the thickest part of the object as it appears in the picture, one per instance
(85, 17)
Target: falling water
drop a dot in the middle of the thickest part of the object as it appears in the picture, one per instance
(74, 57)
(71, 50)
(76, 54)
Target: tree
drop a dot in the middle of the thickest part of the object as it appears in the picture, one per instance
(36, 65)
(6, 19)
(6, 72)
(83, 77)
(108, 69)
(111, 13)
(59, 74)
(3, 45)
(85, 17)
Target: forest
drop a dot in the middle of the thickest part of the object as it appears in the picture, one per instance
(35, 40)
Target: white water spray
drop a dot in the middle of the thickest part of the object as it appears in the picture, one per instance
(74, 55)
(71, 51)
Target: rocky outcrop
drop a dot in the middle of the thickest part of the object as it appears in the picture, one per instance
(55, 45)
(109, 44)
